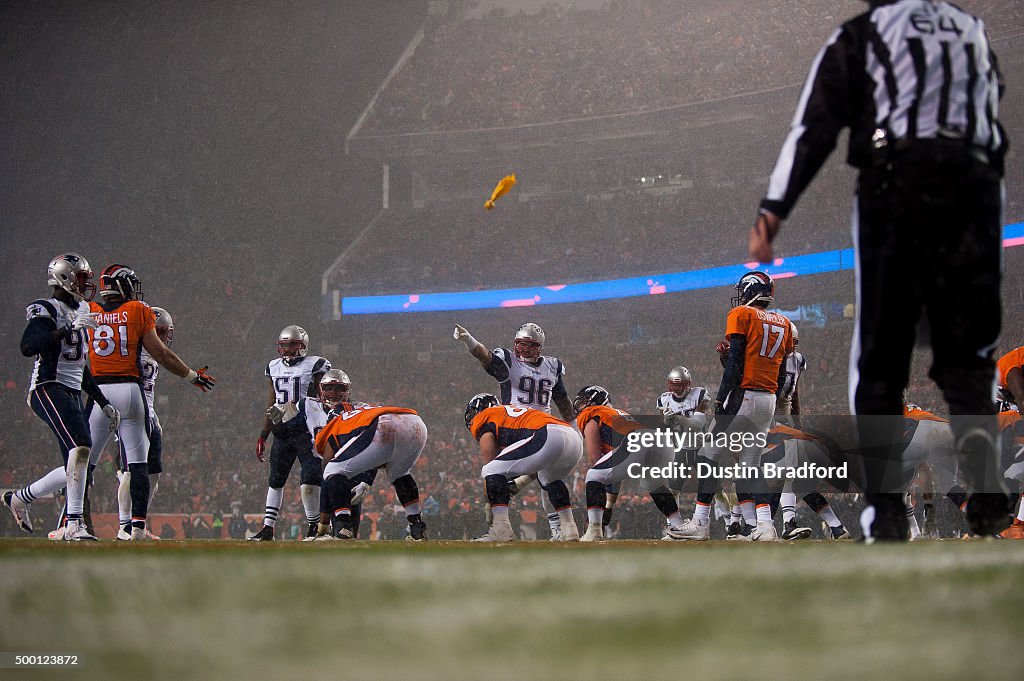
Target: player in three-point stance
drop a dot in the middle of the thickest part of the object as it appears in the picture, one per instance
(516, 441)
(125, 326)
(526, 378)
(56, 335)
(290, 377)
(361, 438)
(605, 440)
(335, 387)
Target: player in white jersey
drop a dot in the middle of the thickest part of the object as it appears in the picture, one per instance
(292, 376)
(788, 395)
(55, 335)
(154, 460)
(526, 378)
(684, 408)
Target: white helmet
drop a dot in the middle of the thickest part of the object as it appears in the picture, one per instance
(71, 272)
(529, 341)
(335, 388)
(292, 343)
(164, 325)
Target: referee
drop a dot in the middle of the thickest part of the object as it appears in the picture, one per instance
(919, 87)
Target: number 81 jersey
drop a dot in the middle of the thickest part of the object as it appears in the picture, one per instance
(115, 345)
(526, 385)
(291, 381)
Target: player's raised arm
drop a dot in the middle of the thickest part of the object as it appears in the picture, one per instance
(475, 347)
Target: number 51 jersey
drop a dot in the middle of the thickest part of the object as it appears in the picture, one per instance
(525, 385)
(291, 381)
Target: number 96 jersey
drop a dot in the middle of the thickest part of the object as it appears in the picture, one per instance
(291, 381)
(526, 385)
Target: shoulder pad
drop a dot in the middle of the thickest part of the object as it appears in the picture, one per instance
(40, 308)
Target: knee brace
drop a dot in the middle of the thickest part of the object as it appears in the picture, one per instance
(497, 490)
(558, 494)
(595, 494)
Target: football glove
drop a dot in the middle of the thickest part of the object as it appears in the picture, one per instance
(84, 320)
(113, 415)
(282, 413)
(261, 446)
(359, 493)
(201, 379)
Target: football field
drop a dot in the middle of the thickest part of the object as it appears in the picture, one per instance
(454, 611)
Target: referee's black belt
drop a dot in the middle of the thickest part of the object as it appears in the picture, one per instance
(935, 150)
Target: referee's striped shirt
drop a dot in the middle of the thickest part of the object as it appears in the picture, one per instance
(904, 70)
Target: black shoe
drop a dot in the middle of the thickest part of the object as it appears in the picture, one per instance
(790, 531)
(988, 514)
(311, 530)
(266, 534)
(890, 522)
(734, 530)
(417, 531)
(839, 533)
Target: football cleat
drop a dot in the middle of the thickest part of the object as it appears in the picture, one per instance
(344, 534)
(568, 531)
(19, 509)
(839, 533)
(326, 537)
(311, 530)
(140, 534)
(738, 532)
(1014, 531)
(791, 532)
(76, 531)
(58, 534)
(265, 534)
(691, 530)
(556, 534)
(124, 534)
(150, 536)
(988, 513)
(417, 531)
(498, 532)
(593, 533)
(764, 531)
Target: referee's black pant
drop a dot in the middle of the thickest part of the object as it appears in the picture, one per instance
(928, 235)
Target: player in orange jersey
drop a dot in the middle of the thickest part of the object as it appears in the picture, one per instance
(1010, 368)
(758, 343)
(361, 437)
(613, 456)
(1011, 425)
(124, 326)
(518, 441)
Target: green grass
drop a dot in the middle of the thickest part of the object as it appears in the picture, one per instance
(452, 611)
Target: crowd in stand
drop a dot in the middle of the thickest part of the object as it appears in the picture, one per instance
(510, 69)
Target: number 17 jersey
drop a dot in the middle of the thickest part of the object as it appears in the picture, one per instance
(769, 340)
(526, 385)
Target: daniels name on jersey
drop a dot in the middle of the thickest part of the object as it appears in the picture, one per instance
(66, 365)
(669, 404)
(526, 385)
(291, 381)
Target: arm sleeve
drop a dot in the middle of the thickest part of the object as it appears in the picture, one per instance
(38, 336)
(93, 390)
(733, 366)
(824, 109)
(498, 368)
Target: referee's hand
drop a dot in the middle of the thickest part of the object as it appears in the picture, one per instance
(761, 235)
